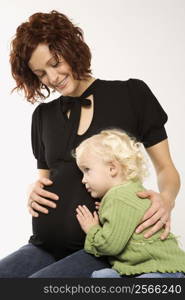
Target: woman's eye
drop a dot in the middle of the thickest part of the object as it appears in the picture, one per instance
(55, 65)
(39, 75)
(86, 169)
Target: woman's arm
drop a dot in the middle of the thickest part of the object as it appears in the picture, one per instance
(167, 176)
(168, 180)
(36, 194)
(43, 173)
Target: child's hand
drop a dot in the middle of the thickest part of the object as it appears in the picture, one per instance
(97, 205)
(86, 218)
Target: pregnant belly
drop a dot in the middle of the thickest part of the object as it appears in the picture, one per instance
(59, 230)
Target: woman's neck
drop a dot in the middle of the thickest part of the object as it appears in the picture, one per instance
(83, 85)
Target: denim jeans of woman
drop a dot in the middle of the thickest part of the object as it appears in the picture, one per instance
(110, 273)
(33, 262)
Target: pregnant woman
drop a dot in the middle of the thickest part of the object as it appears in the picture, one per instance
(49, 53)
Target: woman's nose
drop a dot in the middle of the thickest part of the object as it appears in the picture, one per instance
(53, 78)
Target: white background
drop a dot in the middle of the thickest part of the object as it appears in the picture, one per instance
(142, 39)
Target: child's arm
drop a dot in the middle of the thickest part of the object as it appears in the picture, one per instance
(119, 221)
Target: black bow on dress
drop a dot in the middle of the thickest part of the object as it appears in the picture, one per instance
(72, 123)
(68, 101)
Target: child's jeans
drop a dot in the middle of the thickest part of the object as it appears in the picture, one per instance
(110, 273)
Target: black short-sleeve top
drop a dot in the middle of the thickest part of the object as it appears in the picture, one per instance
(128, 105)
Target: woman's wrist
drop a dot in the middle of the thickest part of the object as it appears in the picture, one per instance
(169, 199)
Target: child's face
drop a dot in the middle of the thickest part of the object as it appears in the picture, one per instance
(96, 174)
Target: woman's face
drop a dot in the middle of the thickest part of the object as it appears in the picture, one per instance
(54, 74)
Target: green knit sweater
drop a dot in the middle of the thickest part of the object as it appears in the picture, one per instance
(128, 252)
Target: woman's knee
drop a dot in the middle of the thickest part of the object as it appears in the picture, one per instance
(24, 261)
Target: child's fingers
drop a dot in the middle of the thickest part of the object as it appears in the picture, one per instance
(81, 221)
(79, 218)
(95, 216)
(87, 211)
(80, 211)
(97, 205)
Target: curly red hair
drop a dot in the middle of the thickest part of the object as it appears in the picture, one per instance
(61, 36)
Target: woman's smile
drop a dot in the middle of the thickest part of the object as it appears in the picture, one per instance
(63, 83)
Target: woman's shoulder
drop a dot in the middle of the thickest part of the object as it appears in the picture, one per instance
(113, 82)
(45, 106)
(121, 81)
(130, 83)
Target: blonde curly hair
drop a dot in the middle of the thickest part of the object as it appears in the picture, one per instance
(114, 144)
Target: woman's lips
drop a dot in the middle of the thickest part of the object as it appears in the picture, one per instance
(64, 82)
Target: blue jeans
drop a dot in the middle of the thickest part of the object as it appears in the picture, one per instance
(110, 273)
(33, 262)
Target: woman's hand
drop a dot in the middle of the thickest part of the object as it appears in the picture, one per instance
(86, 218)
(158, 214)
(36, 195)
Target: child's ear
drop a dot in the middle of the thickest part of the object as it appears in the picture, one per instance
(113, 168)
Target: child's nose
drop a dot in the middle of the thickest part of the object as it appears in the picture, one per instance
(83, 179)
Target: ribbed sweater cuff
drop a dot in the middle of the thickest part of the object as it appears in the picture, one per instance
(89, 241)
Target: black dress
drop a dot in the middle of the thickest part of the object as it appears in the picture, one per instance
(128, 105)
